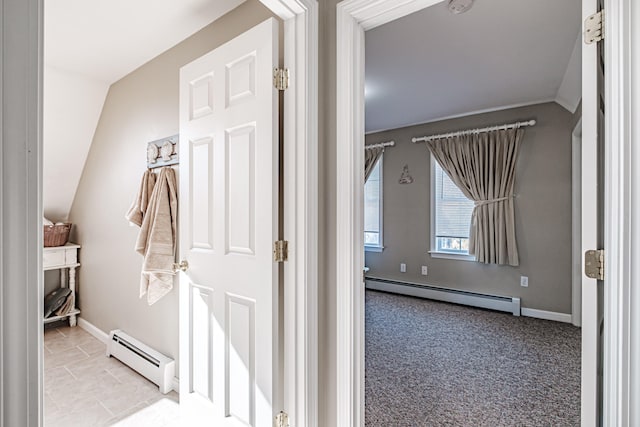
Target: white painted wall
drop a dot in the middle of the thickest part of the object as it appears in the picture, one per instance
(72, 107)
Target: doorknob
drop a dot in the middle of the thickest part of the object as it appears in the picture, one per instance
(183, 266)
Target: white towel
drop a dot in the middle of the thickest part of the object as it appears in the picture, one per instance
(157, 238)
(141, 203)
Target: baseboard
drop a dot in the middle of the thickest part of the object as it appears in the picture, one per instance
(104, 337)
(546, 315)
(456, 296)
(93, 330)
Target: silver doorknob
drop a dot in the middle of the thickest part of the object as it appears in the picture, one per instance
(183, 266)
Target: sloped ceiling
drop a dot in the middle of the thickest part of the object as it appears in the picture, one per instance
(433, 64)
(88, 46)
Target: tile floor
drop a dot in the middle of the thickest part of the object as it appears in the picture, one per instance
(84, 388)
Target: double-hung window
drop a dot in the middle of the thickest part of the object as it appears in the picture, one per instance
(373, 209)
(450, 217)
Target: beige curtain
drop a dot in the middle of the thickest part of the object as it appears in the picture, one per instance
(483, 167)
(371, 156)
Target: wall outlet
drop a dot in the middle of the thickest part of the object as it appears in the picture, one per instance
(524, 281)
(424, 270)
(403, 268)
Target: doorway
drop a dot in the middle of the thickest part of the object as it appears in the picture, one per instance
(24, 337)
(410, 72)
(353, 20)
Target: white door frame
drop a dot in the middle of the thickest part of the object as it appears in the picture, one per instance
(21, 41)
(576, 224)
(622, 217)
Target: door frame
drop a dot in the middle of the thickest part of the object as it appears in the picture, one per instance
(21, 330)
(622, 204)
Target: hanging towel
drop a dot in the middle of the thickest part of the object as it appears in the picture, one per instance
(157, 238)
(140, 204)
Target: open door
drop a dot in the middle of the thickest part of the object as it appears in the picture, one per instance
(229, 311)
(593, 188)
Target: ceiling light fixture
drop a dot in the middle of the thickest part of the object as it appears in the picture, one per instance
(459, 6)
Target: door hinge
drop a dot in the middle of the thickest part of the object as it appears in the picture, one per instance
(594, 264)
(280, 250)
(281, 420)
(594, 28)
(281, 78)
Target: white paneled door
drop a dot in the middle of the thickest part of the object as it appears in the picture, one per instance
(229, 360)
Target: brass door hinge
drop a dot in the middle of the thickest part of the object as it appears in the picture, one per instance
(281, 420)
(281, 78)
(594, 264)
(280, 250)
(594, 28)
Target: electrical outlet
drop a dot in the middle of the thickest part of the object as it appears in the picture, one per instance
(403, 268)
(524, 281)
(424, 270)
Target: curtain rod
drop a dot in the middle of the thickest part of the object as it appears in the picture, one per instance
(472, 131)
(381, 144)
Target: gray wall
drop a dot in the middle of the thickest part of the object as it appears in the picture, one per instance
(141, 107)
(542, 212)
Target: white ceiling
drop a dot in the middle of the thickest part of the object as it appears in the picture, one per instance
(106, 40)
(432, 64)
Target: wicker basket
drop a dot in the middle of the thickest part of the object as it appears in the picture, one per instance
(56, 235)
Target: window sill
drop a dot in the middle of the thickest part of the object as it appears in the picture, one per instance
(373, 248)
(449, 255)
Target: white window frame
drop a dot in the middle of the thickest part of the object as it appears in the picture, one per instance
(379, 247)
(434, 252)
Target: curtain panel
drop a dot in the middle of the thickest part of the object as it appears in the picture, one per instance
(483, 166)
(371, 156)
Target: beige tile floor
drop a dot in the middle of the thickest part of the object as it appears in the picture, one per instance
(83, 387)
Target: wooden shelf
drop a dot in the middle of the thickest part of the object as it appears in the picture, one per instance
(51, 319)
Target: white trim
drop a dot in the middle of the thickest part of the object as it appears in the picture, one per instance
(576, 224)
(21, 336)
(590, 405)
(175, 384)
(96, 332)
(449, 255)
(301, 210)
(353, 18)
(621, 388)
(546, 315)
(369, 248)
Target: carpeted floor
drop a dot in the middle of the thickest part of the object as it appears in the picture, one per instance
(436, 364)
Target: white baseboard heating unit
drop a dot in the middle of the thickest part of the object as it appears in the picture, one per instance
(153, 365)
(492, 302)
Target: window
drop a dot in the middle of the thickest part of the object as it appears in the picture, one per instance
(373, 209)
(451, 216)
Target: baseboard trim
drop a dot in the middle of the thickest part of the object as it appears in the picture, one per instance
(93, 330)
(104, 337)
(546, 315)
(456, 296)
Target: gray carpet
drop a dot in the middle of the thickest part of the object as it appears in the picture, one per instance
(436, 364)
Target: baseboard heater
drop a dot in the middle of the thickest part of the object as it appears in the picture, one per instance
(153, 365)
(492, 302)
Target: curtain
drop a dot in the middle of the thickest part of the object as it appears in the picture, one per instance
(371, 156)
(483, 167)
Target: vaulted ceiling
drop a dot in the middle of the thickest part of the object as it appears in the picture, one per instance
(88, 46)
(433, 64)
